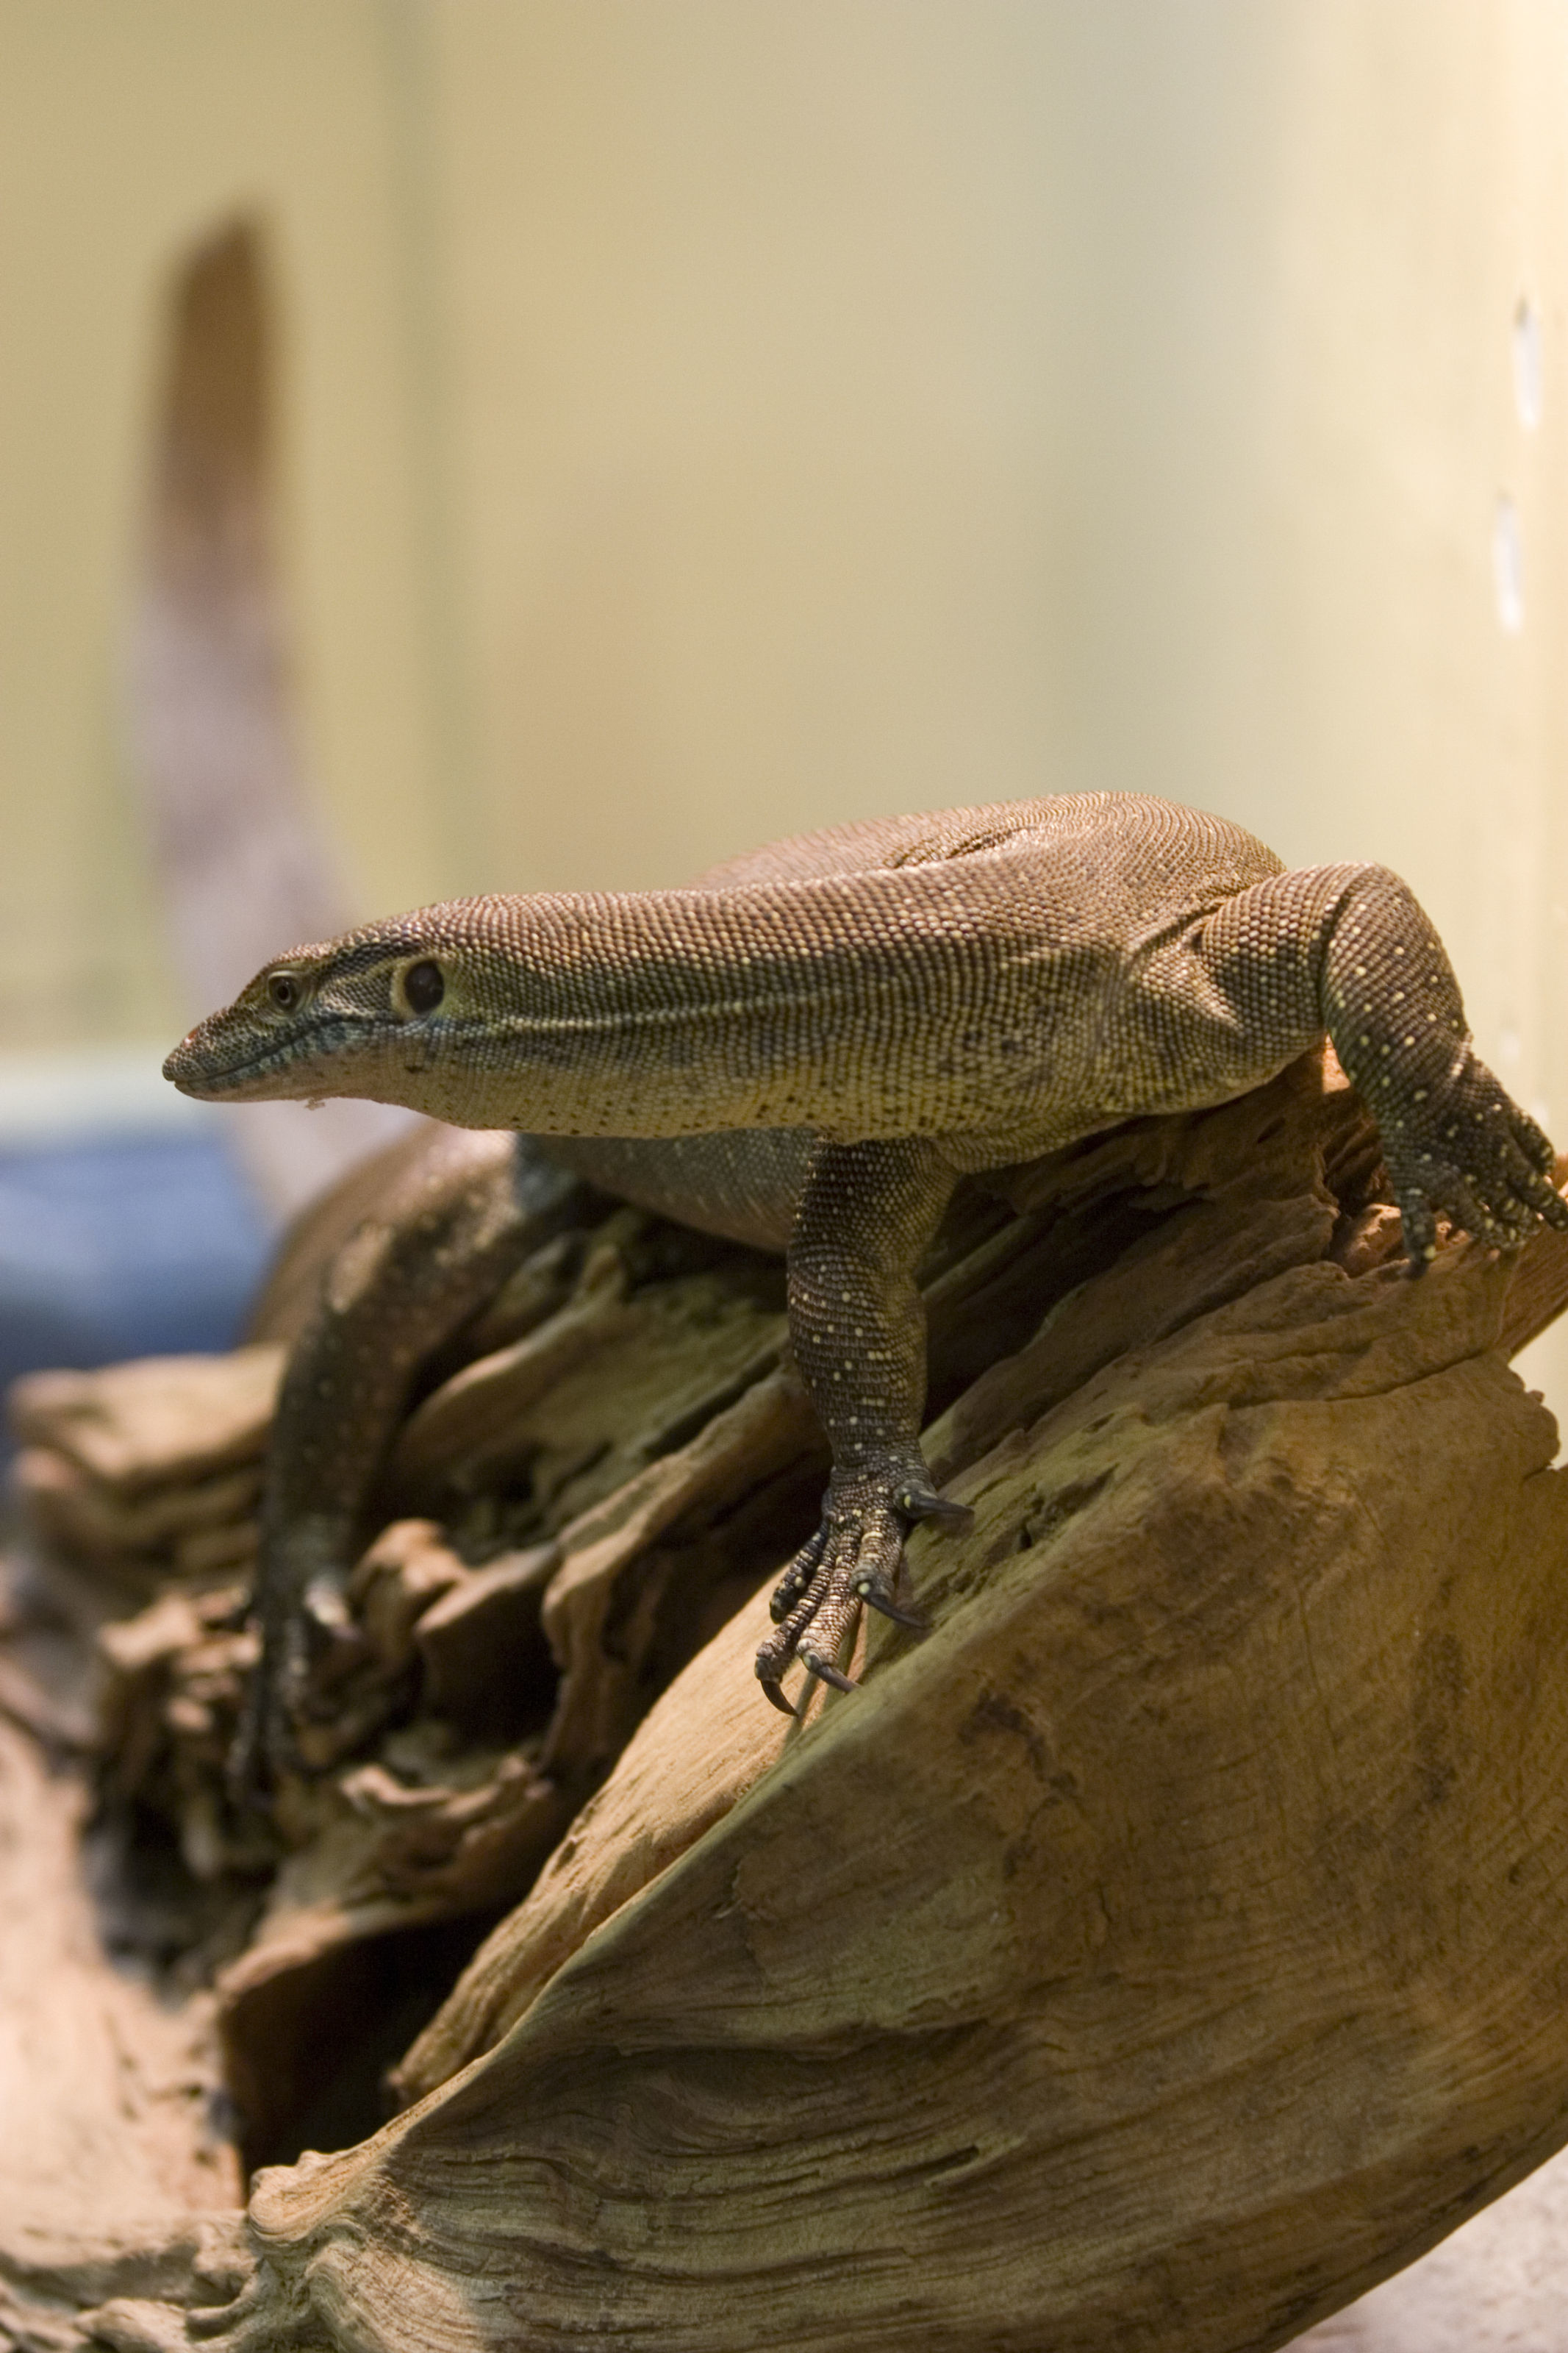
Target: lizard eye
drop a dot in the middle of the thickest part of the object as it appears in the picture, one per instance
(284, 989)
(424, 986)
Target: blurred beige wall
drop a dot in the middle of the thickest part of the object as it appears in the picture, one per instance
(127, 132)
(706, 420)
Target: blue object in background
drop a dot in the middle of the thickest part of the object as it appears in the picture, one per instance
(124, 1246)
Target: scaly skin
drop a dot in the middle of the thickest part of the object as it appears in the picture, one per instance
(898, 1003)
(441, 1242)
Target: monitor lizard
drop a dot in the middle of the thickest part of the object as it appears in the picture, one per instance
(807, 1047)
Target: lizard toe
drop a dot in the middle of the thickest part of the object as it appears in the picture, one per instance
(1537, 1196)
(799, 1577)
(832, 1629)
(1531, 1139)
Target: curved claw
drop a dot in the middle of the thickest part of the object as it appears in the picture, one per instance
(774, 1690)
(825, 1672)
(918, 1504)
(889, 1607)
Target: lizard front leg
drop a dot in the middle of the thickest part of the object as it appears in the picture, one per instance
(858, 1328)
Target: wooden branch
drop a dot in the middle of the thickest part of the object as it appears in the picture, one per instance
(1167, 1948)
(1163, 1951)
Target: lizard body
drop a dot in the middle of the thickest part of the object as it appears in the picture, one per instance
(808, 1046)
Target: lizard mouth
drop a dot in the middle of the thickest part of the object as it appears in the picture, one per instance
(311, 1061)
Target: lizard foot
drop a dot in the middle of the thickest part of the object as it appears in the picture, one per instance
(856, 1558)
(1465, 1147)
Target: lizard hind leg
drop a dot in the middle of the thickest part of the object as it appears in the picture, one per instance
(1349, 949)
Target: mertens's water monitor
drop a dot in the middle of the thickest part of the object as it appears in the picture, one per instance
(807, 1047)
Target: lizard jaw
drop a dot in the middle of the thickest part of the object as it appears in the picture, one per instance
(307, 1064)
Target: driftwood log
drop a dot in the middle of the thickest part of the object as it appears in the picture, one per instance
(1167, 1948)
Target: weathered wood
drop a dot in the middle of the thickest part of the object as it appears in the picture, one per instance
(164, 1419)
(108, 2152)
(1161, 1951)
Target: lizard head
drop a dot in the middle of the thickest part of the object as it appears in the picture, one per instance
(380, 1012)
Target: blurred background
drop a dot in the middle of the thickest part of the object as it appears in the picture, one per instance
(508, 444)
